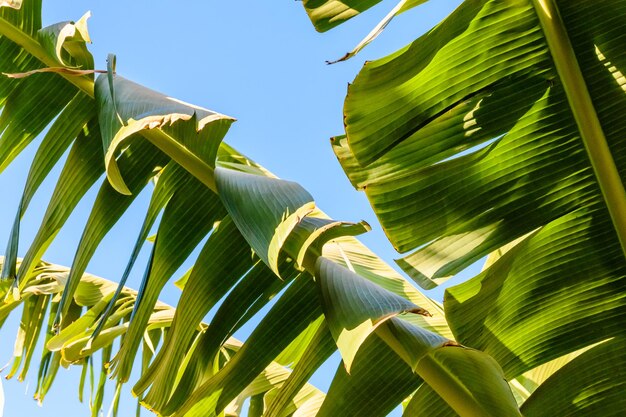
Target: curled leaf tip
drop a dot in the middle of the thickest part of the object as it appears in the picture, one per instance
(421, 311)
(87, 346)
(14, 4)
(343, 58)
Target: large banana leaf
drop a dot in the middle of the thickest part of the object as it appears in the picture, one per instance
(265, 236)
(483, 132)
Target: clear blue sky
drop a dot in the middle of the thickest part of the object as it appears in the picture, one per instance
(261, 62)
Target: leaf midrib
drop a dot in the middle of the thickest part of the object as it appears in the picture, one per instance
(585, 114)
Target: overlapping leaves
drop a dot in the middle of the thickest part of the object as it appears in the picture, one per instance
(70, 346)
(465, 141)
(264, 236)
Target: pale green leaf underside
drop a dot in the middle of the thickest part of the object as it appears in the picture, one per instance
(135, 108)
(94, 293)
(354, 306)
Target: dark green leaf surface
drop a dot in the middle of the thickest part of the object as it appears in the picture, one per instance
(590, 385)
(378, 381)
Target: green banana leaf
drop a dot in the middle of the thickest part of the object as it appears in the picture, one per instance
(587, 385)
(266, 237)
(73, 336)
(478, 134)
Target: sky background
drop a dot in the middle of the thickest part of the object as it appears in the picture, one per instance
(261, 62)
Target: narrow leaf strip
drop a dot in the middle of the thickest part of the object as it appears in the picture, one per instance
(139, 162)
(290, 316)
(81, 170)
(57, 70)
(321, 347)
(255, 290)
(223, 260)
(190, 214)
(63, 131)
(170, 179)
(403, 5)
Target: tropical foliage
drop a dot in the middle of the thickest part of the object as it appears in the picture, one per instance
(467, 142)
(502, 124)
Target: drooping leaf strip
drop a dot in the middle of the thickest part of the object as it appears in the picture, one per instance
(23, 117)
(48, 281)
